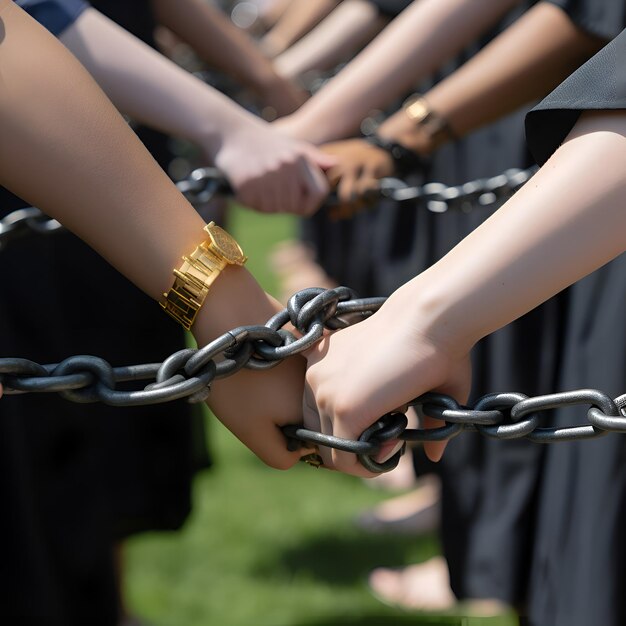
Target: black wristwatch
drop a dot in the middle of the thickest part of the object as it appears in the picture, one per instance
(405, 160)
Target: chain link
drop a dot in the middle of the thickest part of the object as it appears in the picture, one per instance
(206, 182)
(26, 221)
(189, 373)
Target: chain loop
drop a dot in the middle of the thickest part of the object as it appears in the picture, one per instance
(189, 373)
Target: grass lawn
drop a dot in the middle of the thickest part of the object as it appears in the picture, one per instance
(270, 548)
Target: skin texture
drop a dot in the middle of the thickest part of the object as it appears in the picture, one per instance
(351, 25)
(66, 149)
(415, 44)
(526, 252)
(222, 45)
(299, 17)
(269, 172)
(542, 48)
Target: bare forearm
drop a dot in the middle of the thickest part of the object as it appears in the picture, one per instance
(150, 88)
(297, 20)
(565, 223)
(418, 42)
(66, 149)
(522, 65)
(216, 40)
(346, 29)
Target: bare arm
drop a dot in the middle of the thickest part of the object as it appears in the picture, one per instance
(299, 18)
(351, 25)
(526, 252)
(223, 46)
(522, 65)
(67, 150)
(419, 41)
(268, 172)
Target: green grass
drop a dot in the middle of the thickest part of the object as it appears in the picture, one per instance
(270, 548)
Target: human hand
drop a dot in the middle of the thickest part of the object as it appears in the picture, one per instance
(359, 168)
(358, 374)
(272, 173)
(252, 404)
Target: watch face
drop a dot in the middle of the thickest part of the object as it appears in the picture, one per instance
(225, 245)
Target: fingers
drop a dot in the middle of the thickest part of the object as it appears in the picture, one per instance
(294, 185)
(323, 160)
(433, 449)
(346, 462)
(458, 387)
(314, 187)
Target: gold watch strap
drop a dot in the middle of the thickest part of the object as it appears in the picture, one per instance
(191, 285)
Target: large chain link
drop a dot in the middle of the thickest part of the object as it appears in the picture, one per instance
(189, 373)
(206, 182)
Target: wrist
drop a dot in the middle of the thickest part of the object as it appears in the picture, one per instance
(405, 160)
(233, 139)
(302, 126)
(418, 127)
(236, 299)
(432, 309)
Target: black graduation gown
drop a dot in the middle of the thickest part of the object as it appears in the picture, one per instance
(579, 558)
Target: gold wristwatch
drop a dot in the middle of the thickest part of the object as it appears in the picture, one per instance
(419, 112)
(198, 272)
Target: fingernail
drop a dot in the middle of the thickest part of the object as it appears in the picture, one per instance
(386, 453)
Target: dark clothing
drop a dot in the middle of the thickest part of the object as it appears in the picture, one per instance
(55, 15)
(77, 478)
(579, 558)
(600, 84)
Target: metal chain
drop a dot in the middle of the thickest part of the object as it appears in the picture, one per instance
(26, 221)
(206, 182)
(439, 198)
(189, 373)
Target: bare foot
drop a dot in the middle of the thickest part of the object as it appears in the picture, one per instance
(423, 587)
(412, 513)
(426, 587)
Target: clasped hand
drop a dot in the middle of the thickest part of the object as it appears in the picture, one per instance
(356, 375)
(356, 174)
(349, 379)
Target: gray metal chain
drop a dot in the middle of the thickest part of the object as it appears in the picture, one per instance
(206, 182)
(189, 373)
(439, 198)
(25, 222)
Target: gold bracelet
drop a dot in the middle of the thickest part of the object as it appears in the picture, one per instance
(419, 112)
(198, 272)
